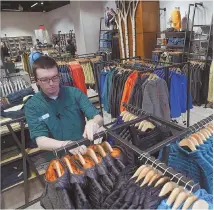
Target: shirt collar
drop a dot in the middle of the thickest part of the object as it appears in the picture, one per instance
(50, 99)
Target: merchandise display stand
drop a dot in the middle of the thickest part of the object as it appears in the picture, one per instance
(141, 154)
(178, 131)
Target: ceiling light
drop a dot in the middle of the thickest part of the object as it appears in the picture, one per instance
(34, 5)
(42, 3)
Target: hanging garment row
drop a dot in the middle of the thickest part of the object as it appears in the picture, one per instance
(193, 156)
(199, 81)
(144, 86)
(78, 73)
(107, 178)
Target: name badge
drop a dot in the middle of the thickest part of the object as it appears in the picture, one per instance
(43, 117)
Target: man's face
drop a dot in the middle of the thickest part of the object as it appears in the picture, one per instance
(48, 80)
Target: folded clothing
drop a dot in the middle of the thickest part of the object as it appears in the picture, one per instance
(175, 41)
(17, 97)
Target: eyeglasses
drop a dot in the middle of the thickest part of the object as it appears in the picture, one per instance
(47, 80)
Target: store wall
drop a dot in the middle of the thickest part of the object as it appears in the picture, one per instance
(21, 23)
(60, 20)
(202, 15)
(91, 12)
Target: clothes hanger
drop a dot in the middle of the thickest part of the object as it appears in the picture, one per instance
(193, 140)
(168, 187)
(137, 172)
(99, 150)
(187, 142)
(128, 116)
(173, 195)
(57, 164)
(67, 162)
(80, 158)
(163, 179)
(156, 176)
(144, 171)
(90, 152)
(147, 125)
(182, 197)
(203, 138)
(107, 147)
(198, 138)
(125, 115)
(140, 124)
(149, 175)
(205, 133)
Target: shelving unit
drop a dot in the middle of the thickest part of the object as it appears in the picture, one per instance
(197, 39)
(62, 38)
(15, 44)
(173, 48)
(105, 44)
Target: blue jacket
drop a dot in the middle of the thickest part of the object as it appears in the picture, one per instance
(193, 164)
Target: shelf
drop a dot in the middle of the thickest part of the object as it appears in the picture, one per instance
(108, 30)
(175, 46)
(33, 176)
(201, 40)
(106, 39)
(19, 156)
(201, 25)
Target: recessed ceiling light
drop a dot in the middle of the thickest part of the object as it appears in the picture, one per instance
(42, 3)
(34, 5)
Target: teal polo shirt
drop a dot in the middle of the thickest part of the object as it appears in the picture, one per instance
(61, 119)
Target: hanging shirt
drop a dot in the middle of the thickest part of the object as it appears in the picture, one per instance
(62, 118)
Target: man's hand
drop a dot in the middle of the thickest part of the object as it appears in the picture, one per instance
(79, 150)
(91, 128)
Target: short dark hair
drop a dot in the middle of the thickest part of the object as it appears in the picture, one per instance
(69, 41)
(43, 62)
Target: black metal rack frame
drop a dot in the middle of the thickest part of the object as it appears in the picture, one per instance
(142, 156)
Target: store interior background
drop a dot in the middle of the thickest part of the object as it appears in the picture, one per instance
(84, 18)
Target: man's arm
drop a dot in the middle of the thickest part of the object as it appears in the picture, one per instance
(46, 143)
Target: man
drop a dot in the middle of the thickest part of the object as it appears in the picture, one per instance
(56, 114)
(38, 43)
(70, 47)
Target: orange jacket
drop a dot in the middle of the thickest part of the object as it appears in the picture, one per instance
(78, 77)
(128, 89)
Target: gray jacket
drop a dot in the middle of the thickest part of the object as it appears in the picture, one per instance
(156, 99)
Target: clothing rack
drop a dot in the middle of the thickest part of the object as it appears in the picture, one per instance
(70, 58)
(197, 126)
(166, 69)
(142, 156)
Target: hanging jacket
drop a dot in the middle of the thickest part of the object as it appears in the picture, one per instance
(128, 89)
(78, 184)
(156, 99)
(56, 192)
(78, 77)
(115, 195)
(193, 164)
